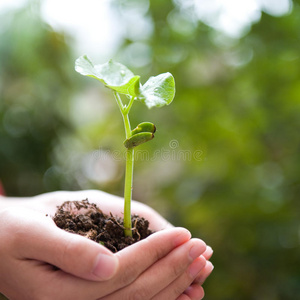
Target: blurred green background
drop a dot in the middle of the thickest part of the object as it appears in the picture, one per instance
(225, 159)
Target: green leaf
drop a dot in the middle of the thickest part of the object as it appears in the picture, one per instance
(112, 74)
(158, 91)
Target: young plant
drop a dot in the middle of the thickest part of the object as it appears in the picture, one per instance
(156, 92)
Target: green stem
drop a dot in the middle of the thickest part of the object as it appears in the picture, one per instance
(128, 191)
(127, 109)
(128, 180)
(129, 166)
(127, 126)
(120, 103)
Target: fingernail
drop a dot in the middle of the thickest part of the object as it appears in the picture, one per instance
(196, 251)
(205, 273)
(182, 237)
(106, 266)
(209, 267)
(209, 249)
(196, 267)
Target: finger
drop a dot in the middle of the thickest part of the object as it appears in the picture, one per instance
(166, 271)
(208, 252)
(180, 284)
(71, 253)
(183, 297)
(38, 280)
(133, 261)
(138, 257)
(204, 273)
(193, 292)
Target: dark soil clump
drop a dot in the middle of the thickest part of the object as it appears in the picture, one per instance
(86, 219)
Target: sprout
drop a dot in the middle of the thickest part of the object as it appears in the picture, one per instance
(156, 92)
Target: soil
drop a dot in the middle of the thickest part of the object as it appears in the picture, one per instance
(86, 219)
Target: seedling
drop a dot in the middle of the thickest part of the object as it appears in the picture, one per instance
(156, 92)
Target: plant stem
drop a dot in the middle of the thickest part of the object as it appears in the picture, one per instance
(129, 166)
(127, 125)
(128, 179)
(128, 191)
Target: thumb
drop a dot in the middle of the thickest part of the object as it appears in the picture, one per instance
(69, 252)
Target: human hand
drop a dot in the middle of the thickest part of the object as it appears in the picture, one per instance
(47, 203)
(150, 277)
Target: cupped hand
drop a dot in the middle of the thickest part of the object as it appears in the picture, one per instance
(31, 245)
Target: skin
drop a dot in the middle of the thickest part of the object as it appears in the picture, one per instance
(31, 245)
